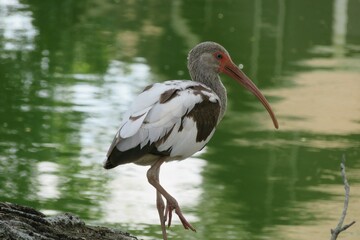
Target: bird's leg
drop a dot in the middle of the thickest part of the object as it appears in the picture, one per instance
(160, 206)
(153, 176)
(172, 204)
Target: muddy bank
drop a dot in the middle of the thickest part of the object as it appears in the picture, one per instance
(24, 223)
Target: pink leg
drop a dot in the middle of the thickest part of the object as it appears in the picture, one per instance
(161, 208)
(172, 204)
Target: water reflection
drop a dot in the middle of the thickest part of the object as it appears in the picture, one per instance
(70, 69)
(328, 211)
(48, 181)
(18, 31)
(132, 199)
(323, 101)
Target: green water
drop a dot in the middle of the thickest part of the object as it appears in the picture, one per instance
(69, 69)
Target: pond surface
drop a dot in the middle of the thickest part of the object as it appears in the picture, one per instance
(69, 69)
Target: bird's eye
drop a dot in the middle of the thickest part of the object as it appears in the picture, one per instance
(219, 56)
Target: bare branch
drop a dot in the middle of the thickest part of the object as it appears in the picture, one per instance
(340, 228)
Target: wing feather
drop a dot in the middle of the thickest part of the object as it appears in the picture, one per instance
(155, 120)
(133, 124)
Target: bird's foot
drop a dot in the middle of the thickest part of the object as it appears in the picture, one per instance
(172, 205)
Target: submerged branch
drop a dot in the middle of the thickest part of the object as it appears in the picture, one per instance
(340, 228)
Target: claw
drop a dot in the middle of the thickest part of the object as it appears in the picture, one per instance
(183, 220)
(172, 205)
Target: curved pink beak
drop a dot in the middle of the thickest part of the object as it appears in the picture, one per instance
(230, 69)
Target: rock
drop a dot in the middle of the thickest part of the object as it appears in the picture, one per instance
(25, 223)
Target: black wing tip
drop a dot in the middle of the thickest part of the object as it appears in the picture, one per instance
(108, 164)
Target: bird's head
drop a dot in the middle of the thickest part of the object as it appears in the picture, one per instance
(209, 58)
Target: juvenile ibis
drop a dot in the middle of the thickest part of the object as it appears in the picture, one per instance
(175, 119)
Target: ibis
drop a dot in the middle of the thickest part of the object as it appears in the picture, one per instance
(174, 119)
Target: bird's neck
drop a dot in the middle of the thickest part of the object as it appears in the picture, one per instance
(213, 81)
